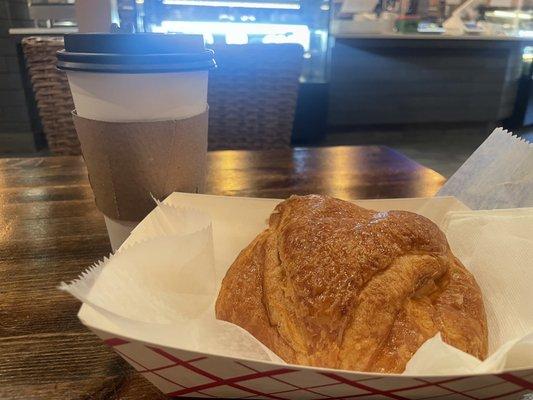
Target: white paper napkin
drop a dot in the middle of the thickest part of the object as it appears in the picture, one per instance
(499, 174)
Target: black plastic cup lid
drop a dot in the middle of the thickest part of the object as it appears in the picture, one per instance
(134, 53)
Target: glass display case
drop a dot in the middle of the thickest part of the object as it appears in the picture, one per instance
(52, 13)
(364, 16)
(305, 22)
(388, 16)
(493, 17)
(453, 17)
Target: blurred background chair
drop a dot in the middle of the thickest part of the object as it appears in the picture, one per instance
(52, 93)
(252, 95)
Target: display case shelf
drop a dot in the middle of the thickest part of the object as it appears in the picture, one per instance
(304, 22)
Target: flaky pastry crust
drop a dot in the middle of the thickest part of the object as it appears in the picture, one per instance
(332, 284)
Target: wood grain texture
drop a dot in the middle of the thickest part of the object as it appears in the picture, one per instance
(50, 231)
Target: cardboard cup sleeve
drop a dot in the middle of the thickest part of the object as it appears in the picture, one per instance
(131, 163)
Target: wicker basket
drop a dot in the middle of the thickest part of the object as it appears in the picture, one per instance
(252, 95)
(52, 93)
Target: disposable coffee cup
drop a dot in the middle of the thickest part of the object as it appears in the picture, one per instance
(154, 88)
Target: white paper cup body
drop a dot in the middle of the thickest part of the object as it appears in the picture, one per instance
(120, 97)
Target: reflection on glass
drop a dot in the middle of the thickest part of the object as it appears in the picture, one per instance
(304, 22)
(239, 33)
(249, 4)
(492, 17)
(451, 17)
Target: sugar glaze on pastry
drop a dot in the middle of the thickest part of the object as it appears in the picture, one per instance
(332, 284)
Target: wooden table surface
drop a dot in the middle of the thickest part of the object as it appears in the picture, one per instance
(50, 231)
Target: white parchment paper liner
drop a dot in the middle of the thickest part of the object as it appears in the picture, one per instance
(497, 247)
(161, 285)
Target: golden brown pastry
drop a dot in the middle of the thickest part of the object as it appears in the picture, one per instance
(332, 284)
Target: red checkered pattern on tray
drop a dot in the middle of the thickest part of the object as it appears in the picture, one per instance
(180, 373)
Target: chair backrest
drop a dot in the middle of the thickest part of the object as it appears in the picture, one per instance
(252, 95)
(52, 93)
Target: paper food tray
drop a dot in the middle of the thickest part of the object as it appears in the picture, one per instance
(181, 372)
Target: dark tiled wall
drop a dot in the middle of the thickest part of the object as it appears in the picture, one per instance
(423, 82)
(16, 121)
